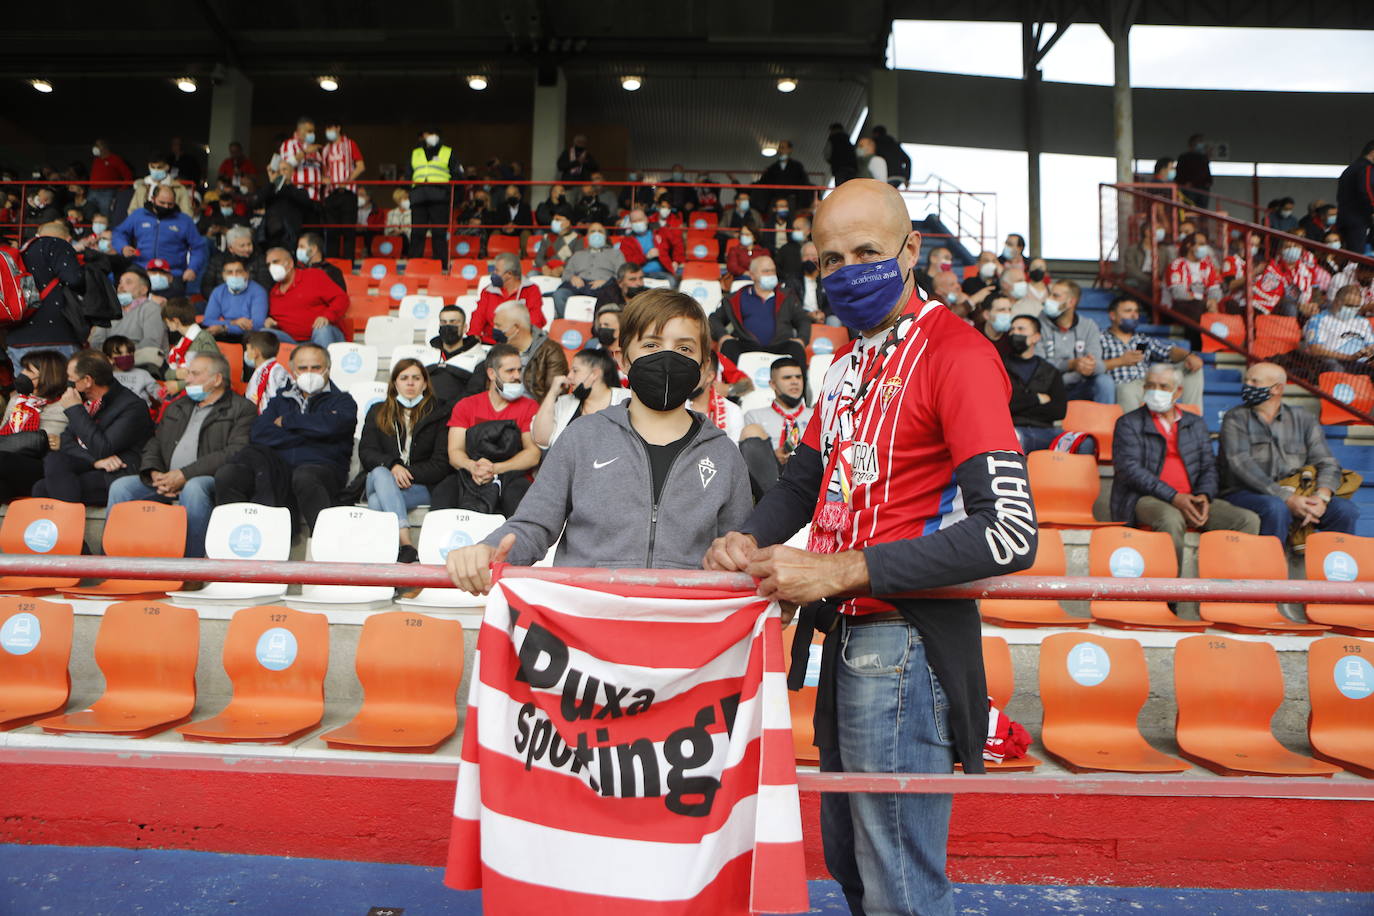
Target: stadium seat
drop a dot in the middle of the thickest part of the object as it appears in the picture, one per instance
(1230, 327)
(365, 394)
(45, 527)
(1235, 555)
(825, 340)
(1064, 487)
(802, 703)
(350, 363)
(546, 284)
(580, 308)
(741, 283)
(815, 374)
(503, 244)
(1275, 334)
(233, 354)
(1093, 688)
(345, 265)
(1227, 692)
(701, 270)
(468, 303)
(706, 292)
(444, 530)
(361, 310)
(533, 242)
(700, 245)
(1355, 390)
(1098, 419)
(385, 333)
(1034, 612)
(397, 288)
(1129, 553)
(657, 283)
(424, 267)
(570, 335)
(1001, 684)
(464, 246)
(276, 659)
(1340, 687)
(445, 288)
(358, 286)
(418, 309)
(35, 649)
(1338, 557)
(388, 246)
(756, 366)
(468, 269)
(352, 534)
(379, 271)
(148, 653)
(139, 528)
(410, 666)
(247, 532)
(705, 219)
(426, 354)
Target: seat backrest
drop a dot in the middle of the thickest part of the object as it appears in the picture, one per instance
(364, 395)
(1227, 327)
(43, 526)
(705, 219)
(387, 332)
(35, 645)
(1129, 553)
(233, 354)
(1274, 334)
(546, 284)
(737, 285)
(445, 288)
(815, 374)
(449, 529)
(469, 269)
(1098, 419)
(1338, 557)
(350, 363)
(1092, 680)
(570, 334)
(1340, 684)
(1221, 682)
(465, 246)
(580, 308)
(1348, 388)
(248, 531)
(344, 264)
(1049, 555)
(352, 534)
(426, 354)
(419, 309)
(701, 246)
(502, 244)
(389, 246)
(397, 288)
(367, 306)
(378, 270)
(1062, 482)
(275, 651)
(1000, 674)
(756, 366)
(704, 291)
(358, 286)
(825, 340)
(143, 528)
(701, 270)
(419, 267)
(148, 646)
(468, 303)
(410, 658)
(1236, 555)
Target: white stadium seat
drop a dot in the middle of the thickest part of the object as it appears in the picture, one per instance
(351, 534)
(244, 531)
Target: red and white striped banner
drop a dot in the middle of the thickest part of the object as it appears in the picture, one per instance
(628, 753)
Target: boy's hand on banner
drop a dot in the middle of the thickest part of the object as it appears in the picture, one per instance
(799, 576)
(470, 567)
(731, 553)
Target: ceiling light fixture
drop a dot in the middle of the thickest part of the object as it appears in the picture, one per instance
(328, 83)
(787, 84)
(41, 85)
(769, 150)
(186, 84)
(477, 82)
(631, 83)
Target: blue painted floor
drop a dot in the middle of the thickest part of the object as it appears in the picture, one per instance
(101, 881)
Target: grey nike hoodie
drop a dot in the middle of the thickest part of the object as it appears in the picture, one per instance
(595, 479)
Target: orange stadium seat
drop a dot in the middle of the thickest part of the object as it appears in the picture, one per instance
(1193, 409)
(1235, 555)
(344, 264)
(44, 527)
(701, 245)
(802, 703)
(397, 288)
(700, 270)
(532, 243)
(465, 246)
(1064, 487)
(233, 354)
(379, 271)
(446, 288)
(139, 528)
(1093, 688)
(389, 246)
(1034, 612)
(410, 666)
(469, 269)
(1227, 692)
(825, 340)
(147, 652)
(1340, 687)
(1275, 334)
(1338, 557)
(360, 308)
(703, 219)
(1128, 553)
(276, 658)
(1098, 419)
(1355, 390)
(424, 267)
(1001, 685)
(498, 243)
(570, 335)
(1230, 327)
(35, 649)
(358, 286)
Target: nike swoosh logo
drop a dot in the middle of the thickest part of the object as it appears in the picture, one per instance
(601, 464)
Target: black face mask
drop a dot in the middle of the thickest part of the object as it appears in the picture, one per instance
(809, 266)
(788, 400)
(450, 334)
(606, 336)
(164, 212)
(665, 380)
(582, 391)
(634, 291)
(1018, 343)
(498, 335)
(23, 384)
(1036, 275)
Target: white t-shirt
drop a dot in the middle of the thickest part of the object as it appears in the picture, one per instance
(566, 406)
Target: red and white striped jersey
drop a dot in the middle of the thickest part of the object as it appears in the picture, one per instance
(308, 169)
(1194, 279)
(1279, 280)
(340, 158)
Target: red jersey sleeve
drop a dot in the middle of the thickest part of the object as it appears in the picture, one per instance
(463, 414)
(971, 394)
(811, 437)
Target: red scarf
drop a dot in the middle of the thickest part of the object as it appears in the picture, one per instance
(716, 408)
(264, 379)
(25, 414)
(176, 359)
(791, 429)
(93, 407)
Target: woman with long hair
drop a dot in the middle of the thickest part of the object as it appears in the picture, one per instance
(592, 384)
(32, 408)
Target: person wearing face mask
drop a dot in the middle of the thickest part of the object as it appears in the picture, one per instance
(739, 222)
(1287, 285)
(1282, 216)
(302, 154)
(541, 357)
(739, 256)
(777, 223)
(161, 231)
(1339, 339)
(432, 166)
(196, 435)
(310, 253)
(556, 204)
(654, 251)
(771, 434)
(54, 265)
(370, 217)
(1233, 272)
(762, 317)
(590, 208)
(576, 162)
(120, 352)
(1012, 281)
(1038, 279)
(1355, 202)
(398, 217)
(788, 255)
(1264, 444)
(1166, 477)
(270, 378)
(507, 285)
(871, 165)
(1358, 275)
(299, 447)
(220, 212)
(1194, 283)
(1037, 398)
(238, 246)
(160, 176)
(1165, 172)
(1332, 262)
(1128, 354)
(454, 376)
(303, 303)
(911, 421)
(1073, 344)
(107, 166)
(1320, 220)
(637, 193)
(342, 163)
(1194, 172)
(948, 293)
(514, 215)
(809, 288)
(664, 216)
(629, 282)
(995, 320)
(556, 246)
(939, 259)
(589, 268)
(33, 408)
(643, 483)
(107, 426)
(786, 169)
(141, 322)
(682, 197)
(987, 276)
(708, 399)
(40, 208)
(591, 385)
(1013, 251)
(162, 280)
(606, 336)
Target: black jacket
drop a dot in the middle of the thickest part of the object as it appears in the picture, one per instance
(789, 319)
(322, 433)
(224, 432)
(1026, 409)
(450, 382)
(1138, 457)
(898, 162)
(428, 450)
(47, 258)
(839, 152)
(1355, 193)
(521, 219)
(332, 272)
(590, 210)
(120, 427)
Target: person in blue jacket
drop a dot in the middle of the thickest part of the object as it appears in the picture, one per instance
(161, 230)
(238, 306)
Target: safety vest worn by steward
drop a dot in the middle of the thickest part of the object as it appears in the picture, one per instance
(424, 170)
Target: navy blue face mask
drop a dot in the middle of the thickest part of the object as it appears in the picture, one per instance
(863, 295)
(1128, 325)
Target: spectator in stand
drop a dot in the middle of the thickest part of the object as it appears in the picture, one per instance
(541, 358)
(301, 153)
(1358, 275)
(513, 215)
(1287, 283)
(196, 436)
(606, 331)
(303, 304)
(948, 291)
(1194, 283)
(707, 400)
(341, 162)
(398, 217)
(1038, 398)
(789, 256)
(179, 317)
(556, 246)
(142, 321)
(1355, 202)
(1282, 216)
(681, 196)
(808, 286)
(370, 217)
(107, 165)
(1038, 280)
(1332, 262)
(40, 209)
(988, 275)
(186, 166)
(237, 166)
(762, 317)
(939, 259)
(238, 246)
(269, 376)
(588, 269)
(481, 449)
(839, 155)
(403, 450)
(555, 205)
(507, 284)
(785, 170)
(163, 279)
(452, 376)
(120, 351)
(609, 197)
(870, 164)
(1339, 339)
(590, 208)
(1128, 355)
(741, 217)
(1233, 272)
(1320, 221)
(776, 224)
(1265, 444)
(1073, 344)
(218, 216)
(432, 166)
(1165, 172)
(159, 230)
(1014, 283)
(1195, 172)
(996, 317)
(576, 163)
(772, 433)
(1166, 477)
(38, 385)
(898, 162)
(310, 253)
(54, 266)
(1013, 251)
(635, 194)
(739, 257)
(629, 282)
(107, 425)
(591, 385)
(299, 447)
(707, 194)
(159, 176)
(654, 251)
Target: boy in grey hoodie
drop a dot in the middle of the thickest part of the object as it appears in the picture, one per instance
(646, 483)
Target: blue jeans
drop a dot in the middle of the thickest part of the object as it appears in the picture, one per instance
(1034, 438)
(323, 336)
(385, 495)
(197, 497)
(887, 851)
(1099, 388)
(1276, 520)
(17, 353)
(103, 199)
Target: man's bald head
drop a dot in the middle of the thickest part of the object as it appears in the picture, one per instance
(1265, 375)
(875, 204)
(865, 222)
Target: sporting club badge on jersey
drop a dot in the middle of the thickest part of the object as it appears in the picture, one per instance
(707, 469)
(889, 391)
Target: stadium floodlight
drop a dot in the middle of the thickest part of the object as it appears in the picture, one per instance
(769, 149)
(477, 82)
(186, 84)
(328, 83)
(42, 86)
(787, 84)
(631, 83)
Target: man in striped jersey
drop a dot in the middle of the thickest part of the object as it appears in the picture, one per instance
(911, 477)
(301, 152)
